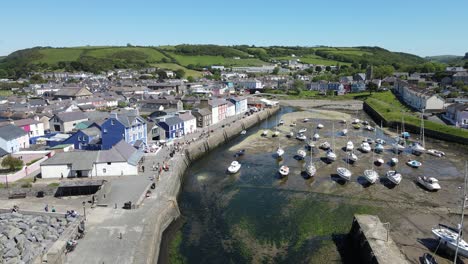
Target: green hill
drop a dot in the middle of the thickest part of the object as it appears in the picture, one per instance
(193, 57)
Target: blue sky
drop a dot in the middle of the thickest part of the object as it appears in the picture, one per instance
(430, 27)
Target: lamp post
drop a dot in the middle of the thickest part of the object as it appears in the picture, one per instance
(84, 210)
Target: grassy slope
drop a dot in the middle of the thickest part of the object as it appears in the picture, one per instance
(53, 56)
(173, 67)
(314, 59)
(214, 60)
(390, 107)
(150, 53)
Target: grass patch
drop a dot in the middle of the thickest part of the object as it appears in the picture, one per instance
(206, 60)
(6, 92)
(54, 184)
(148, 54)
(174, 250)
(53, 56)
(174, 67)
(392, 110)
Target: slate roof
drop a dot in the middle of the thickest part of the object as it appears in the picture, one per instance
(121, 152)
(127, 119)
(171, 121)
(79, 160)
(91, 131)
(10, 132)
(72, 92)
(26, 121)
(3, 152)
(71, 116)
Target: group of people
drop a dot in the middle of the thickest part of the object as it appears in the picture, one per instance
(46, 208)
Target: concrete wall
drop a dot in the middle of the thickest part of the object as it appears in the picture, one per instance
(55, 171)
(115, 169)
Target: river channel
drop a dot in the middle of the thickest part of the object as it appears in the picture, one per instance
(255, 216)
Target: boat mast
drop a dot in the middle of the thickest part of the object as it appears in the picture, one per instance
(422, 128)
(333, 137)
(462, 216)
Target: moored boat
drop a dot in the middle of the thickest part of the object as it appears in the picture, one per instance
(265, 133)
(301, 154)
(371, 176)
(435, 152)
(352, 157)
(450, 238)
(379, 148)
(275, 134)
(301, 137)
(302, 130)
(430, 183)
(319, 126)
(325, 145)
(316, 136)
(279, 152)
(243, 132)
(394, 176)
(349, 146)
(331, 156)
(283, 170)
(234, 167)
(365, 147)
(344, 132)
(344, 173)
(414, 163)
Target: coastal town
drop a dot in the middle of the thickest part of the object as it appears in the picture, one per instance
(102, 149)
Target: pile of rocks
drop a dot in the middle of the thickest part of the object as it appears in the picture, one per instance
(24, 237)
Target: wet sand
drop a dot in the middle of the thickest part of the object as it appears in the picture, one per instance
(411, 210)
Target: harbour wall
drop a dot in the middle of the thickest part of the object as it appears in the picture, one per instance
(377, 117)
(150, 245)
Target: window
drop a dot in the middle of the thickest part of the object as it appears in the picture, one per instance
(79, 138)
(109, 163)
(105, 130)
(112, 122)
(104, 170)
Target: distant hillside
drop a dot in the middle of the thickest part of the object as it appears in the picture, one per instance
(452, 60)
(190, 57)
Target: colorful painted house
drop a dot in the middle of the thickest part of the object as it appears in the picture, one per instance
(128, 126)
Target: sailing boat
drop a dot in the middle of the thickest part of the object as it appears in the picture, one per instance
(371, 175)
(393, 175)
(265, 131)
(310, 168)
(276, 133)
(417, 148)
(343, 172)
(331, 156)
(452, 237)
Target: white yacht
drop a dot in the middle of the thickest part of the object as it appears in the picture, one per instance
(276, 133)
(265, 133)
(365, 147)
(279, 152)
(316, 136)
(352, 157)
(417, 148)
(450, 238)
(320, 126)
(435, 152)
(430, 183)
(331, 156)
(325, 145)
(234, 167)
(284, 170)
(344, 173)
(371, 176)
(394, 161)
(394, 176)
(301, 154)
(301, 137)
(349, 146)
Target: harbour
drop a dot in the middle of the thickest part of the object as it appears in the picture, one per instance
(256, 216)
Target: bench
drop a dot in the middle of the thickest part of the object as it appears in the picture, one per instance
(17, 196)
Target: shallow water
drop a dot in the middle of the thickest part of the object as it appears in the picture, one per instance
(256, 217)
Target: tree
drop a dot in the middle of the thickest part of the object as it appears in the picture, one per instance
(3, 73)
(180, 73)
(383, 71)
(298, 86)
(328, 68)
(190, 79)
(122, 104)
(36, 78)
(453, 94)
(318, 68)
(275, 71)
(459, 84)
(372, 87)
(12, 163)
(466, 64)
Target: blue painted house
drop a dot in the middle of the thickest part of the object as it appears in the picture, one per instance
(173, 127)
(128, 126)
(85, 139)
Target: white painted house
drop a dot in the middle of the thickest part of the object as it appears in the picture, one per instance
(13, 138)
(231, 109)
(122, 159)
(190, 122)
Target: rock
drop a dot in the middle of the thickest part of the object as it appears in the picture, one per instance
(23, 226)
(12, 232)
(16, 215)
(14, 260)
(10, 244)
(19, 239)
(12, 253)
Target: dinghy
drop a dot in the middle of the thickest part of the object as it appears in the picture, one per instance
(435, 152)
(234, 167)
(265, 133)
(275, 134)
(430, 183)
(316, 136)
(279, 152)
(243, 132)
(344, 132)
(414, 163)
(319, 126)
(302, 130)
(301, 154)
(283, 170)
(301, 137)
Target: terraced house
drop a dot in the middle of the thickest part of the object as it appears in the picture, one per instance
(128, 126)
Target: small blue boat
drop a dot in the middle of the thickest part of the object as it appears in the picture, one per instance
(414, 163)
